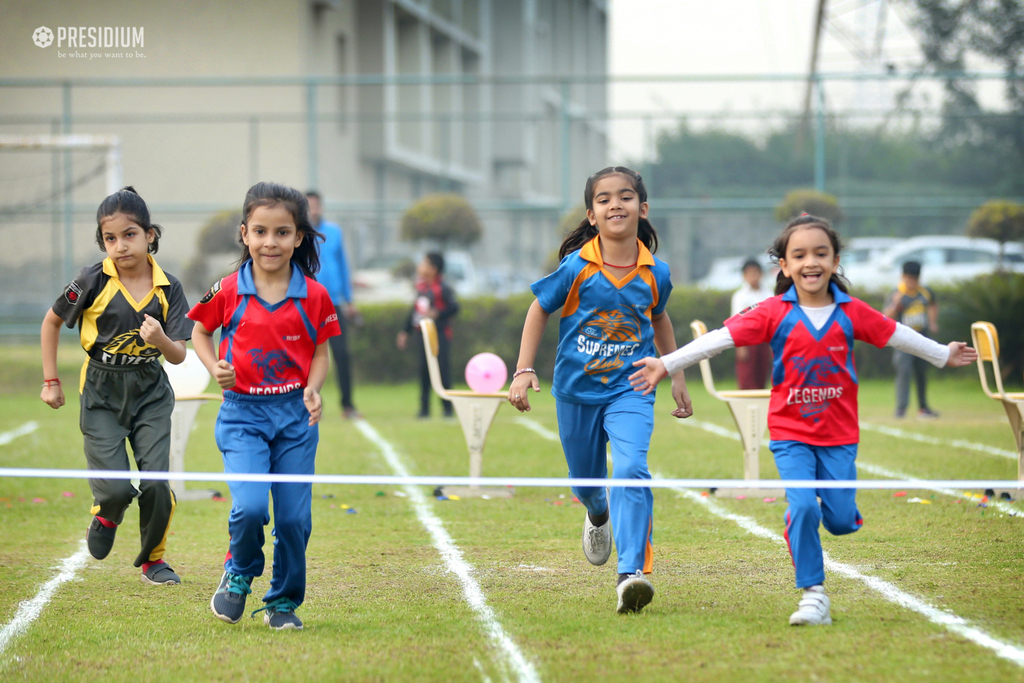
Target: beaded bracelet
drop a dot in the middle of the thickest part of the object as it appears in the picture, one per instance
(523, 371)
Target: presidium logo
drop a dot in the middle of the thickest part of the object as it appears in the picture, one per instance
(95, 37)
(42, 37)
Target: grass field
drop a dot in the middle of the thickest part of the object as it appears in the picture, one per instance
(511, 596)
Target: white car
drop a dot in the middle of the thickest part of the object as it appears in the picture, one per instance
(944, 259)
(726, 273)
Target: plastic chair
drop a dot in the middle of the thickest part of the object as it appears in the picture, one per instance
(749, 408)
(986, 343)
(475, 411)
(189, 381)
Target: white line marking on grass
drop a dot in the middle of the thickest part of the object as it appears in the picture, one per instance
(873, 469)
(890, 592)
(935, 441)
(537, 427)
(454, 560)
(29, 610)
(27, 428)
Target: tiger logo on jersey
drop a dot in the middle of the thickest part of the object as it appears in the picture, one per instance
(614, 326)
(130, 344)
(819, 386)
(271, 365)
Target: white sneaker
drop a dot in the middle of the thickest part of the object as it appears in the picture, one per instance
(814, 610)
(597, 540)
(635, 592)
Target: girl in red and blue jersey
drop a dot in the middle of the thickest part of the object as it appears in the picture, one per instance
(811, 325)
(612, 293)
(272, 363)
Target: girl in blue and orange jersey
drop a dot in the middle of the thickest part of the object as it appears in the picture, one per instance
(612, 294)
(271, 364)
(811, 325)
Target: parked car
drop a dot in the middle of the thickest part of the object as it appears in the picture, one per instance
(861, 250)
(944, 259)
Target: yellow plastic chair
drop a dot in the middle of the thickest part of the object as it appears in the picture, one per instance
(749, 408)
(475, 411)
(986, 343)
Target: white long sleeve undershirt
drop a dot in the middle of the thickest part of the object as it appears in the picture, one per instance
(716, 341)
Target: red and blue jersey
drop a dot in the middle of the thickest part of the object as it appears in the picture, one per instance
(271, 346)
(814, 380)
(605, 323)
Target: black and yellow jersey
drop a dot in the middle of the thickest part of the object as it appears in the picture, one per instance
(109, 318)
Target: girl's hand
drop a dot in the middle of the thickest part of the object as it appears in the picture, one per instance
(52, 395)
(960, 354)
(517, 395)
(651, 371)
(151, 331)
(311, 397)
(681, 395)
(224, 373)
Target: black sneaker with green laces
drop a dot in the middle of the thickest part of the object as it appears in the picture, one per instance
(228, 602)
(280, 615)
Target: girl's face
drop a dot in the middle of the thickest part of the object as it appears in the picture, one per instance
(617, 208)
(272, 237)
(126, 243)
(810, 260)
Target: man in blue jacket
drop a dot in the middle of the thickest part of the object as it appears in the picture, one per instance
(335, 276)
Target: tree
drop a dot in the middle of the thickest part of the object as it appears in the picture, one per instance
(999, 220)
(816, 203)
(445, 218)
(952, 33)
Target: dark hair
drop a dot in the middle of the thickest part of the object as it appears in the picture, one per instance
(312, 194)
(912, 268)
(307, 254)
(778, 249)
(436, 260)
(751, 263)
(585, 232)
(127, 201)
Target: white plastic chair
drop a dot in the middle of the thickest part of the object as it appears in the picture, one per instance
(749, 408)
(475, 411)
(986, 343)
(189, 380)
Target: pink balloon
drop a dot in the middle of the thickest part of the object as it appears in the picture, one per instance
(486, 373)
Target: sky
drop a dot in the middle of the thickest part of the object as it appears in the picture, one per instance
(666, 37)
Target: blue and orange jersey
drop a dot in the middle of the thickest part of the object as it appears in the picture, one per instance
(605, 323)
(270, 346)
(814, 379)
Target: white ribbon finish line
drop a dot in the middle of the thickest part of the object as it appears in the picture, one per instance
(536, 482)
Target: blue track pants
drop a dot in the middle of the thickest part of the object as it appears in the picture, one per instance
(626, 423)
(269, 434)
(838, 508)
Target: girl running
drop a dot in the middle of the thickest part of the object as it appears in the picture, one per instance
(272, 364)
(612, 293)
(811, 324)
(128, 313)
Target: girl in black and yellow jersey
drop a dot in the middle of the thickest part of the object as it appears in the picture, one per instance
(128, 312)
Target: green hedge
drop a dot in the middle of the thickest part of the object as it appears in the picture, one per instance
(496, 325)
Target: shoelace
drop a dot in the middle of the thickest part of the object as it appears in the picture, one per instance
(279, 605)
(237, 584)
(597, 539)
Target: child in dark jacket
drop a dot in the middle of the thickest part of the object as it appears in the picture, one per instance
(436, 300)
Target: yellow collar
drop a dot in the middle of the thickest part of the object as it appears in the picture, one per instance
(159, 279)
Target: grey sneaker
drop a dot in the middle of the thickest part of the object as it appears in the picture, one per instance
(100, 539)
(160, 575)
(280, 615)
(814, 610)
(635, 592)
(597, 540)
(228, 602)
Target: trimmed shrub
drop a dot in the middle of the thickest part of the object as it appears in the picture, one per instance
(816, 203)
(444, 218)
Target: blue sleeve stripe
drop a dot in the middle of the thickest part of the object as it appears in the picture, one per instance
(310, 328)
(232, 327)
